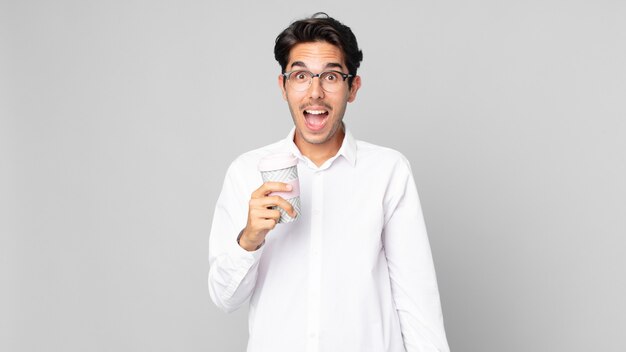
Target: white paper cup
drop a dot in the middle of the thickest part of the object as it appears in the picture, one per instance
(283, 168)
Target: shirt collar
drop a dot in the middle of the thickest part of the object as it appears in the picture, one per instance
(347, 150)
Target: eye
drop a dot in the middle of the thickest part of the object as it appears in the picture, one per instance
(331, 76)
(300, 76)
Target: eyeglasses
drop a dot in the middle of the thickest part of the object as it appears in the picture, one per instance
(331, 81)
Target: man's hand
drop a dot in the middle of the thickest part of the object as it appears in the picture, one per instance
(261, 218)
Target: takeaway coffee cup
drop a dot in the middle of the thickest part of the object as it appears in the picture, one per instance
(283, 168)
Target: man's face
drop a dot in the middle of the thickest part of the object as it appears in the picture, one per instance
(316, 113)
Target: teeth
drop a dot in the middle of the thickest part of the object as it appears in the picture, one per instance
(315, 112)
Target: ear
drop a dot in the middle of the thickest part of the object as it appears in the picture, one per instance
(281, 84)
(356, 84)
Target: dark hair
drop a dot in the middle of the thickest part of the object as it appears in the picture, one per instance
(319, 28)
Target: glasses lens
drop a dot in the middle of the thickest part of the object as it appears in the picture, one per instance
(300, 80)
(331, 81)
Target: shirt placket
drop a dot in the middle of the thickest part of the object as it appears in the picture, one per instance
(315, 265)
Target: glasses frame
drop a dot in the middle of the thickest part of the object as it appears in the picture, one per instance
(345, 76)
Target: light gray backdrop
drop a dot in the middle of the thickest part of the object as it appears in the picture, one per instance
(119, 118)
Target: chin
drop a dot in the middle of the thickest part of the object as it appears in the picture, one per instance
(315, 138)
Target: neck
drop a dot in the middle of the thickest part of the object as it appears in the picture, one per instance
(319, 153)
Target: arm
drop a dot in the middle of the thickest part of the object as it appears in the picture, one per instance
(234, 254)
(411, 270)
(232, 269)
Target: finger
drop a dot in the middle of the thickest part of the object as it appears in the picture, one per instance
(286, 206)
(270, 201)
(273, 201)
(264, 214)
(270, 224)
(269, 187)
(265, 202)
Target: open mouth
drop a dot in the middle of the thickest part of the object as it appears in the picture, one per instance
(315, 118)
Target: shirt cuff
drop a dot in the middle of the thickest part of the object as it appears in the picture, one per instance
(251, 257)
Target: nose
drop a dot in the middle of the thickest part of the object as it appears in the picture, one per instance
(315, 89)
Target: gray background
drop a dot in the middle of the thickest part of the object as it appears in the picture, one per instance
(119, 118)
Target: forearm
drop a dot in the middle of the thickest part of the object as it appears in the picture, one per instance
(232, 277)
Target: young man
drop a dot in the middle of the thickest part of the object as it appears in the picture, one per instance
(354, 271)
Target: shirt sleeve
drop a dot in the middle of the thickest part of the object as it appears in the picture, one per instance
(411, 269)
(232, 270)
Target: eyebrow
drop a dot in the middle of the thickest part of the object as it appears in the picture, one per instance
(328, 65)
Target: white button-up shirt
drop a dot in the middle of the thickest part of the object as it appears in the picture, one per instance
(353, 273)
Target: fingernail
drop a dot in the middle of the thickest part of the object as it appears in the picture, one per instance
(289, 187)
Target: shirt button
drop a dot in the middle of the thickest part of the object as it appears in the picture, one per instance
(312, 335)
(316, 212)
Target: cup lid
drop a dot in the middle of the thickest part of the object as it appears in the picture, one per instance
(277, 161)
